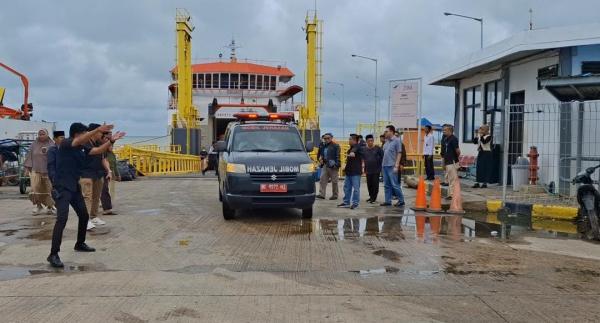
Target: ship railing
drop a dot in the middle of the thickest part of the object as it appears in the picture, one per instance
(149, 160)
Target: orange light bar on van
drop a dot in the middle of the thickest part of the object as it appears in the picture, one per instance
(281, 116)
(245, 116)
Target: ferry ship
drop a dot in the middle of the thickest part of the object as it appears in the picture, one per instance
(222, 88)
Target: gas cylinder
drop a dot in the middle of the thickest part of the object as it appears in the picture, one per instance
(533, 165)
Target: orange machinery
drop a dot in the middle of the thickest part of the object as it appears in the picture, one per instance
(25, 112)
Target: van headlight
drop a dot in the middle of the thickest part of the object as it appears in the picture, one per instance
(307, 168)
(236, 168)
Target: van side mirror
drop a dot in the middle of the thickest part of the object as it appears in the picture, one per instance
(220, 146)
(309, 146)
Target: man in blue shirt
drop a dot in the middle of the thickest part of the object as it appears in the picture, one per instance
(392, 155)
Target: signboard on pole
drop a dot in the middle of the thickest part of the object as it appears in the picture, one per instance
(405, 103)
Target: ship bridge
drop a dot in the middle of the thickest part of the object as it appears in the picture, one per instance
(237, 86)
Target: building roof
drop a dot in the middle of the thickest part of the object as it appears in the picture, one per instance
(520, 45)
(574, 88)
(237, 67)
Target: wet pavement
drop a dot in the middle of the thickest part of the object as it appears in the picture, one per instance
(170, 256)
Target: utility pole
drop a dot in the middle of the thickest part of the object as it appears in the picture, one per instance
(472, 18)
(376, 72)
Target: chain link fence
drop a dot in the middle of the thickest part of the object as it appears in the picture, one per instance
(546, 145)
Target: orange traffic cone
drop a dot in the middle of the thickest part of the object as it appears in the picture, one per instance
(435, 204)
(421, 202)
(456, 205)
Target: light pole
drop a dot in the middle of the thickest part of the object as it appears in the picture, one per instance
(375, 96)
(343, 108)
(468, 17)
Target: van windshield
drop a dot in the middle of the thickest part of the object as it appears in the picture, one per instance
(266, 138)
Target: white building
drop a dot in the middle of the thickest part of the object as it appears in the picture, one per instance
(535, 71)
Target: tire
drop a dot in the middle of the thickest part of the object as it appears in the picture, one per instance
(307, 213)
(228, 212)
(586, 224)
(594, 226)
(22, 187)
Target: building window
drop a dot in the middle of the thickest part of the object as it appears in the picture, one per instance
(494, 102)
(194, 81)
(473, 115)
(200, 81)
(259, 82)
(234, 81)
(224, 81)
(215, 83)
(208, 81)
(545, 73)
(252, 82)
(590, 67)
(243, 81)
(273, 84)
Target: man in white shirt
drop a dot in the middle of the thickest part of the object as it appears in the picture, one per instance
(428, 153)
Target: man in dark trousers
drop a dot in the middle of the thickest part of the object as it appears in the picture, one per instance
(58, 136)
(428, 144)
(353, 172)
(70, 159)
(329, 162)
(373, 157)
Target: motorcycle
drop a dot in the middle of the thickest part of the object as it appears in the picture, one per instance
(588, 198)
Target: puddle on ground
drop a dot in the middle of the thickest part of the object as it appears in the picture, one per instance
(427, 227)
(388, 254)
(376, 271)
(9, 273)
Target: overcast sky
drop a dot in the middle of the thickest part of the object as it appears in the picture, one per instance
(109, 60)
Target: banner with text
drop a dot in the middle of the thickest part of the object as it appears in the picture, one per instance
(405, 104)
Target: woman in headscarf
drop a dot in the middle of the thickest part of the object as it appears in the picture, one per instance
(36, 164)
(483, 140)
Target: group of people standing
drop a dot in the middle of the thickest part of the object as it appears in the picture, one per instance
(387, 161)
(78, 171)
(362, 157)
(450, 153)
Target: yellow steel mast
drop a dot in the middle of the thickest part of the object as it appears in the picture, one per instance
(309, 113)
(187, 114)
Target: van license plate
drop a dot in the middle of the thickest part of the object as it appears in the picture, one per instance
(273, 188)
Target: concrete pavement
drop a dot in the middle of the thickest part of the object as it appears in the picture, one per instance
(170, 256)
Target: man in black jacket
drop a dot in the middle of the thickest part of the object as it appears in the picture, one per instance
(59, 136)
(353, 172)
(373, 157)
(70, 162)
(329, 161)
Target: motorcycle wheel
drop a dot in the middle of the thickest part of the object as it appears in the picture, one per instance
(586, 226)
(594, 226)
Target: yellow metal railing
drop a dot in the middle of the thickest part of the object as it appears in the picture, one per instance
(156, 148)
(153, 162)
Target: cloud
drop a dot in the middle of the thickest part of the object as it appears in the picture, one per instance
(110, 60)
